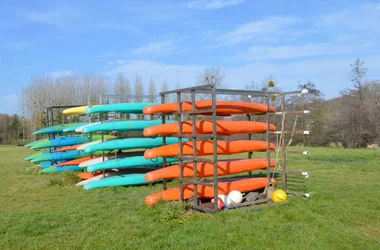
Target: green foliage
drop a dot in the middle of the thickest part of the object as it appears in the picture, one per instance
(70, 178)
(55, 182)
(11, 129)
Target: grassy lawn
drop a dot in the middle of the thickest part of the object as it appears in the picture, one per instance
(343, 211)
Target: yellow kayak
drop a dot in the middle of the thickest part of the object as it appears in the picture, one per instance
(76, 111)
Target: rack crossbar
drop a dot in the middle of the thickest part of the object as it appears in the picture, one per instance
(192, 158)
(207, 184)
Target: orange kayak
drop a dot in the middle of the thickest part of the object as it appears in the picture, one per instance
(222, 107)
(88, 175)
(67, 148)
(206, 148)
(205, 192)
(76, 161)
(206, 169)
(205, 127)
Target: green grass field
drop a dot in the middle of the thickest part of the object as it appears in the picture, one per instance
(343, 212)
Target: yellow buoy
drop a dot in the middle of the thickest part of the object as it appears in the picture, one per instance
(279, 196)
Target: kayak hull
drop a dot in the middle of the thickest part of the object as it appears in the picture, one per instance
(128, 108)
(59, 156)
(93, 161)
(122, 126)
(81, 110)
(54, 169)
(222, 108)
(76, 161)
(206, 148)
(206, 127)
(129, 162)
(56, 129)
(66, 141)
(118, 180)
(131, 143)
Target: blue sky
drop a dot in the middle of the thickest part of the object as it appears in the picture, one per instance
(294, 41)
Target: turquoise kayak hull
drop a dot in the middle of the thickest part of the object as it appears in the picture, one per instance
(31, 157)
(122, 126)
(33, 143)
(61, 169)
(128, 108)
(129, 162)
(131, 143)
(60, 156)
(47, 164)
(63, 141)
(118, 180)
(57, 129)
(73, 128)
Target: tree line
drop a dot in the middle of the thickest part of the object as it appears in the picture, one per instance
(351, 120)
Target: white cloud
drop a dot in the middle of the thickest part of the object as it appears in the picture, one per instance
(364, 17)
(111, 63)
(155, 48)
(59, 17)
(257, 30)
(185, 74)
(119, 27)
(213, 4)
(61, 73)
(300, 51)
(120, 62)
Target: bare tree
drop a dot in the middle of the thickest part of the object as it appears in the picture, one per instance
(139, 88)
(211, 76)
(152, 91)
(357, 76)
(354, 123)
(122, 88)
(164, 87)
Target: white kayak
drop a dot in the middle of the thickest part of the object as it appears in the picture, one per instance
(93, 161)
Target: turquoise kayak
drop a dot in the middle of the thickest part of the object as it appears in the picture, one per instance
(122, 126)
(57, 129)
(131, 143)
(31, 157)
(60, 156)
(73, 128)
(129, 108)
(118, 180)
(63, 141)
(47, 164)
(61, 169)
(33, 143)
(129, 162)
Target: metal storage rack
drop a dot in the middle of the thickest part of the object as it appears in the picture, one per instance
(213, 91)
